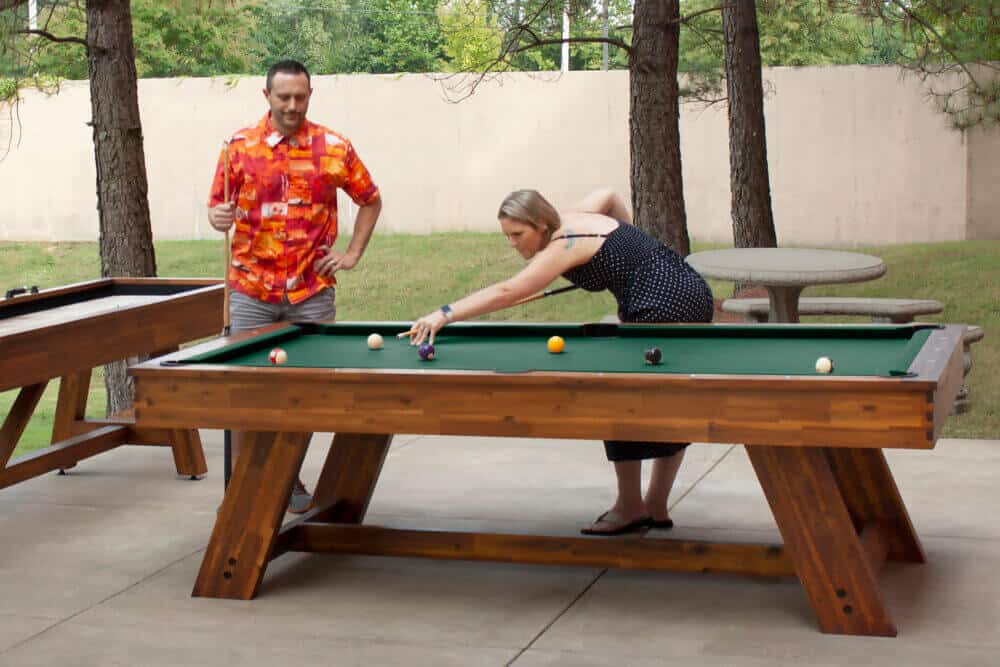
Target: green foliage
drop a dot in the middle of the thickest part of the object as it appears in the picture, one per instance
(192, 39)
(795, 33)
(332, 36)
(931, 37)
(212, 38)
(471, 36)
(29, 55)
(955, 47)
(317, 37)
(589, 24)
(178, 38)
(808, 33)
(8, 90)
(398, 36)
(528, 21)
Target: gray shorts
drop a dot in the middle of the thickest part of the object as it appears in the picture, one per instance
(246, 312)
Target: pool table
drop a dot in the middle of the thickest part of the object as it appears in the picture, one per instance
(65, 332)
(814, 439)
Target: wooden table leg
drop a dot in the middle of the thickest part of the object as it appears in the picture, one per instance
(189, 455)
(251, 515)
(349, 476)
(829, 557)
(872, 497)
(71, 407)
(17, 419)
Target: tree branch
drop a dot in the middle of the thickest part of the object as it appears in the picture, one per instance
(573, 40)
(53, 38)
(930, 28)
(688, 17)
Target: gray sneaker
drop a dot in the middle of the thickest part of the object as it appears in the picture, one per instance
(300, 500)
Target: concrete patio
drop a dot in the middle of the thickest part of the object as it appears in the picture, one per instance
(96, 568)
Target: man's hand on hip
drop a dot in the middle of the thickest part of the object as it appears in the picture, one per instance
(331, 261)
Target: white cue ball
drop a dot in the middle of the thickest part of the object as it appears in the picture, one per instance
(824, 365)
(375, 342)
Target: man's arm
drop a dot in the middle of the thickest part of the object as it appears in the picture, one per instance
(364, 224)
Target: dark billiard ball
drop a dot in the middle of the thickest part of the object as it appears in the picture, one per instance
(654, 356)
(426, 351)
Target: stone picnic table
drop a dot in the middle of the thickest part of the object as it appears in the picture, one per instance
(785, 272)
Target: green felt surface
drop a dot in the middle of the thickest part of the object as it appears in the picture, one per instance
(513, 348)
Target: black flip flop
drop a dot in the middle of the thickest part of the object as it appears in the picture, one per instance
(635, 526)
(666, 524)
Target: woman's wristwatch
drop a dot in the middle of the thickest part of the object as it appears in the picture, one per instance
(446, 309)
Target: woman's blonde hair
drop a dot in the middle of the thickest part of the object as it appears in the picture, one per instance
(531, 208)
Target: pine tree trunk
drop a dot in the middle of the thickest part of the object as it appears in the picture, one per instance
(126, 235)
(753, 220)
(654, 115)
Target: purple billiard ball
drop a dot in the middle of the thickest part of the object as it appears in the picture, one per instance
(426, 351)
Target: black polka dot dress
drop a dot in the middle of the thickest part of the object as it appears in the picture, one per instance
(651, 283)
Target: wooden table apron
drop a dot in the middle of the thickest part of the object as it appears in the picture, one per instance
(814, 443)
(69, 349)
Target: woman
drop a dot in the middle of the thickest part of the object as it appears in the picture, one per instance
(595, 246)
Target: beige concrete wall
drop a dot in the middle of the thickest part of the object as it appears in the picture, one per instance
(983, 188)
(857, 155)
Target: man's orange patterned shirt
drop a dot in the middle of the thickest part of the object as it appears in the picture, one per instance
(285, 191)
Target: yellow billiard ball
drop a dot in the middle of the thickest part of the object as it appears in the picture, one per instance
(824, 365)
(556, 344)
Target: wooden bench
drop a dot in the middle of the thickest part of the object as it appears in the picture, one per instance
(897, 311)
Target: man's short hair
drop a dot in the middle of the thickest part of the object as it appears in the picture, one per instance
(287, 67)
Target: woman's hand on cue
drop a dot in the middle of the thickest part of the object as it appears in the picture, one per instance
(427, 327)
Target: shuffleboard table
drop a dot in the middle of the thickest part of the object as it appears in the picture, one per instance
(66, 332)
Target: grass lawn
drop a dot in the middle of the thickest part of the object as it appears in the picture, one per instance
(403, 277)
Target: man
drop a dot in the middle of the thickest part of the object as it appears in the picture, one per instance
(284, 173)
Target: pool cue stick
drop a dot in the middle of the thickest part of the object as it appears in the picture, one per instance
(227, 457)
(528, 299)
(228, 249)
(227, 438)
(548, 292)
